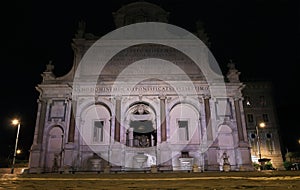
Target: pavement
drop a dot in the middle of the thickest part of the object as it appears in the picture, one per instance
(256, 180)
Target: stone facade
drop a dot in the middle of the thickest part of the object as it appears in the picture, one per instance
(144, 117)
(259, 107)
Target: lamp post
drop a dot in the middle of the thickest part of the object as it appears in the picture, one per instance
(15, 122)
(262, 125)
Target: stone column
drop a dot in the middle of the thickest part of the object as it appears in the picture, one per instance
(71, 126)
(36, 130)
(130, 136)
(208, 118)
(68, 153)
(238, 119)
(117, 119)
(36, 158)
(163, 126)
(42, 117)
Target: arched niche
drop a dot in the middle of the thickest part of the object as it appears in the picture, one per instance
(225, 137)
(54, 148)
(184, 124)
(96, 124)
(140, 125)
(226, 145)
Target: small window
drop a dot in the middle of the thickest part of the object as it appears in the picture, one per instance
(250, 118)
(252, 136)
(265, 118)
(262, 101)
(183, 130)
(98, 131)
(269, 143)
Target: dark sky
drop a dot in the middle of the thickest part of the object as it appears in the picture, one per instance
(260, 36)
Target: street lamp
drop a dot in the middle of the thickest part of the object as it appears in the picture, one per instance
(18, 123)
(261, 125)
(19, 151)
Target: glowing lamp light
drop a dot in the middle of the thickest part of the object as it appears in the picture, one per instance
(259, 125)
(262, 125)
(15, 122)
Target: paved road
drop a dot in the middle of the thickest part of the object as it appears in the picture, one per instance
(267, 180)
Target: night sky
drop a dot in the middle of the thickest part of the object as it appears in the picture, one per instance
(261, 37)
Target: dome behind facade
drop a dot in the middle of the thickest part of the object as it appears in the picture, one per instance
(139, 12)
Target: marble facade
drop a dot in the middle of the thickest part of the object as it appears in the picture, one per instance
(150, 115)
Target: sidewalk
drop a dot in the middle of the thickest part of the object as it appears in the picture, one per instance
(266, 180)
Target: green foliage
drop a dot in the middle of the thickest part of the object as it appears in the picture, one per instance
(266, 166)
(287, 165)
(292, 156)
(256, 165)
(269, 166)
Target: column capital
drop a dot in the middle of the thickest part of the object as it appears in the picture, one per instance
(49, 101)
(130, 129)
(200, 98)
(118, 97)
(162, 96)
(206, 96)
(40, 100)
(237, 98)
(96, 98)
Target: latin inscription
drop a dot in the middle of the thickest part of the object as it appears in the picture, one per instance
(142, 89)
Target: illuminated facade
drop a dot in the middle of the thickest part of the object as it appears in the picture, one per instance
(158, 122)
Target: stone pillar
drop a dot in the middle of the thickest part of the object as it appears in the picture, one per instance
(117, 119)
(238, 119)
(35, 158)
(208, 118)
(163, 126)
(36, 130)
(41, 121)
(71, 126)
(130, 135)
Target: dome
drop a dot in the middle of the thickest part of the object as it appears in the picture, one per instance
(139, 12)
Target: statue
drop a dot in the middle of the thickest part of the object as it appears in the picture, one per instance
(48, 73)
(55, 163)
(144, 141)
(140, 109)
(226, 164)
(49, 67)
(231, 65)
(81, 29)
(233, 73)
(202, 34)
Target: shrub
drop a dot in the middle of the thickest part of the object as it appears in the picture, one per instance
(287, 165)
(269, 166)
(256, 166)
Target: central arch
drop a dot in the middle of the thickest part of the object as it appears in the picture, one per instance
(140, 125)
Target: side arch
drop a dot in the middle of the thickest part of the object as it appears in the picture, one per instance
(95, 125)
(226, 145)
(54, 148)
(184, 124)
